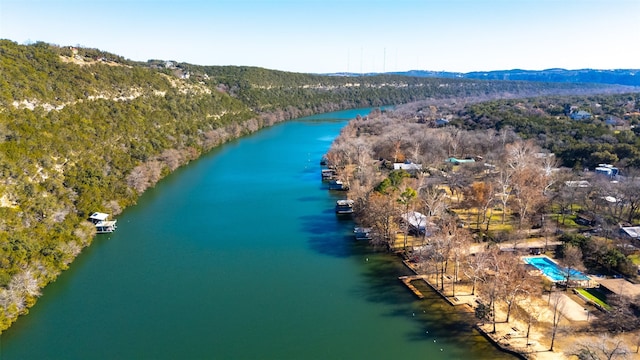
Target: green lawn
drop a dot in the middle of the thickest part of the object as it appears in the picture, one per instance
(569, 220)
(595, 296)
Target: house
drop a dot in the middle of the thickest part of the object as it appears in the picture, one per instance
(632, 232)
(620, 287)
(544, 155)
(577, 183)
(607, 169)
(417, 221)
(585, 219)
(408, 166)
(456, 161)
(580, 115)
(442, 122)
(614, 121)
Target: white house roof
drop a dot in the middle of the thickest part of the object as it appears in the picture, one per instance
(407, 166)
(415, 219)
(632, 231)
(577, 183)
(99, 216)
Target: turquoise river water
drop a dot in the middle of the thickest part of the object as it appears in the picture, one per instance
(239, 255)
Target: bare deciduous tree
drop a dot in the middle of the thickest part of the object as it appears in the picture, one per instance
(378, 210)
(572, 259)
(474, 268)
(515, 282)
(557, 307)
(480, 195)
(434, 200)
(601, 348)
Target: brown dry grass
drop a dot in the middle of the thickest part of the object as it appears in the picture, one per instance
(512, 335)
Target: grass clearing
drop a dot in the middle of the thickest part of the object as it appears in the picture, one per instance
(594, 296)
(569, 220)
(412, 241)
(635, 258)
(470, 217)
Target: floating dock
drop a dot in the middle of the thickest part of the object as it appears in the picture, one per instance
(407, 281)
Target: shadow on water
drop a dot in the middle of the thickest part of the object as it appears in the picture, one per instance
(326, 235)
(310, 198)
(381, 284)
(440, 320)
(437, 319)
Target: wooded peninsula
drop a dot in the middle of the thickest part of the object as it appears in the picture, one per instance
(83, 130)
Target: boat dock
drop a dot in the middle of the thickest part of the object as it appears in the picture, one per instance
(407, 281)
(102, 223)
(328, 174)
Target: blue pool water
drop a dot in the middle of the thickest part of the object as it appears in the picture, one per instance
(552, 270)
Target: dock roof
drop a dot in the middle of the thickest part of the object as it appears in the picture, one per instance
(99, 216)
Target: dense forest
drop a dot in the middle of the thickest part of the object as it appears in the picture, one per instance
(82, 130)
(607, 135)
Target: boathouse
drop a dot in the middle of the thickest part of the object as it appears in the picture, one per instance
(102, 223)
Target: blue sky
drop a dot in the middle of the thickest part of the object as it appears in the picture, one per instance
(342, 35)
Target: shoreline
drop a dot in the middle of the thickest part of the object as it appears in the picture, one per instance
(466, 301)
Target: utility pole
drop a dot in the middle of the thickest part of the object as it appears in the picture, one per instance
(384, 60)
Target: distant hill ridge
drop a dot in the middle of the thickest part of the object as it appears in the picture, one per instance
(615, 76)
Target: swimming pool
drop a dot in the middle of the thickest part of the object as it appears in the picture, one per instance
(551, 270)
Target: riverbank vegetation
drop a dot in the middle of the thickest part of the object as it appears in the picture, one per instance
(462, 190)
(83, 130)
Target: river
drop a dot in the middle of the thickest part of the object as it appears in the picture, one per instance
(239, 255)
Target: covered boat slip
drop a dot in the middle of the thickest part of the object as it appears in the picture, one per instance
(102, 223)
(106, 226)
(344, 206)
(328, 174)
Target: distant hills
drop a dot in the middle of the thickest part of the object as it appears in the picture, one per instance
(618, 76)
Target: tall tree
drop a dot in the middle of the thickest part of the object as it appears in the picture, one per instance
(460, 241)
(572, 260)
(603, 347)
(528, 179)
(378, 214)
(434, 200)
(407, 200)
(532, 311)
(515, 281)
(475, 267)
(503, 182)
(558, 304)
(480, 195)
